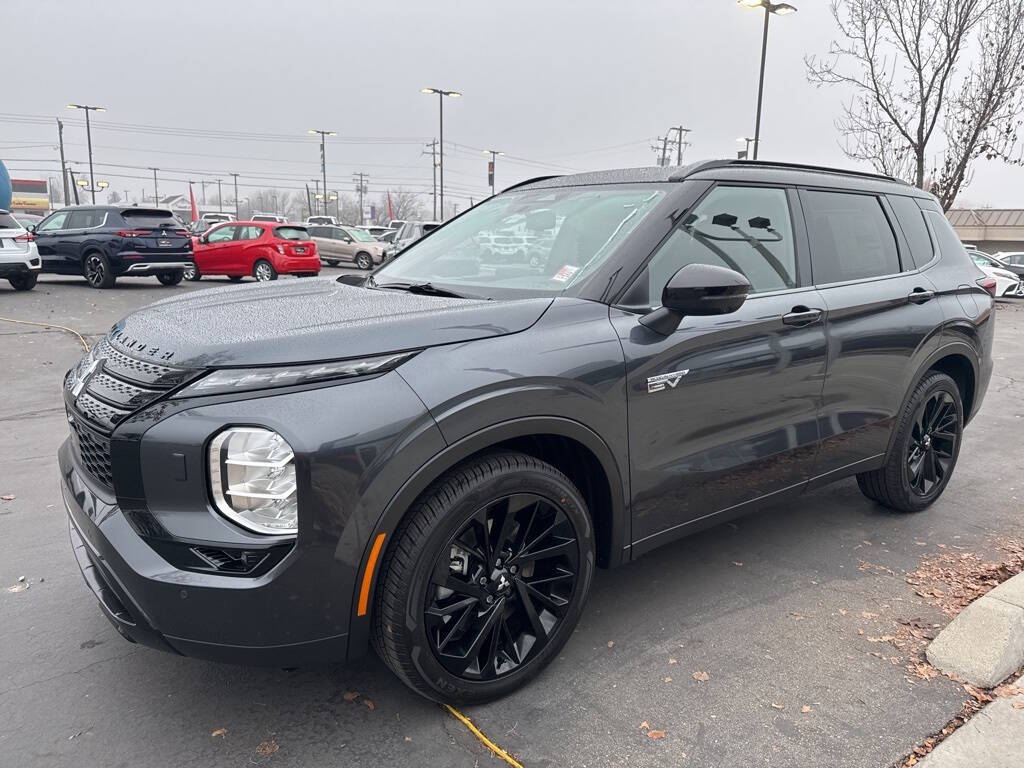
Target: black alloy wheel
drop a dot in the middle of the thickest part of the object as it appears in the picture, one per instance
(933, 442)
(500, 587)
(97, 271)
(485, 578)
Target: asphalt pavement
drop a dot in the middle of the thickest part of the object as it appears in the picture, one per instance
(770, 608)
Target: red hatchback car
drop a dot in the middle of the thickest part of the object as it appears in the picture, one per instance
(260, 249)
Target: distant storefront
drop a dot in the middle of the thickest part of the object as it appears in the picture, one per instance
(30, 196)
(989, 229)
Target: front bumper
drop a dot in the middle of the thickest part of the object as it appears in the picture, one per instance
(262, 621)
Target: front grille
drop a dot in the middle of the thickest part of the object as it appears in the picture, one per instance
(115, 386)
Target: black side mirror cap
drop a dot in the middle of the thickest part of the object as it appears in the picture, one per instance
(697, 289)
(31, 228)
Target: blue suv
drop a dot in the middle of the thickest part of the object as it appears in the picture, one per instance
(105, 242)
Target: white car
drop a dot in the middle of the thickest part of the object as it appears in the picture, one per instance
(1007, 283)
(19, 256)
(329, 221)
(273, 217)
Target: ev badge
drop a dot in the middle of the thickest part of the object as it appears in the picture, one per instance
(671, 380)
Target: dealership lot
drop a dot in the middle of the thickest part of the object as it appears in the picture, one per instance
(770, 608)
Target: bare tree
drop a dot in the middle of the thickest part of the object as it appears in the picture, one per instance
(405, 205)
(113, 196)
(903, 60)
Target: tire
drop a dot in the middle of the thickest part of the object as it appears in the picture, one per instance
(96, 270)
(170, 278)
(924, 451)
(331, 262)
(264, 271)
(24, 282)
(192, 273)
(364, 260)
(548, 515)
(235, 278)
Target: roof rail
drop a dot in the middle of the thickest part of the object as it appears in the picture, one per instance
(706, 165)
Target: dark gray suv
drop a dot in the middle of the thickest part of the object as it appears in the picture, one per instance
(432, 460)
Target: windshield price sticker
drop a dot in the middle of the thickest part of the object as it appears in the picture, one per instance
(566, 272)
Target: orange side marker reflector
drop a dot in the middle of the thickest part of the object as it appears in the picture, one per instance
(371, 564)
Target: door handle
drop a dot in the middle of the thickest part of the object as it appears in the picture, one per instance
(921, 295)
(802, 315)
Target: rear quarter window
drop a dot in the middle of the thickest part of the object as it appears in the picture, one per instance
(911, 220)
(8, 222)
(291, 233)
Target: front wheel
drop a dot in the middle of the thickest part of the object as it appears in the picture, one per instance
(192, 273)
(24, 282)
(97, 272)
(170, 278)
(485, 579)
(264, 271)
(364, 261)
(925, 448)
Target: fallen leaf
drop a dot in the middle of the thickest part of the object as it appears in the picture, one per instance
(219, 732)
(350, 695)
(8, 497)
(267, 748)
(860, 631)
(1017, 704)
(369, 704)
(611, 643)
(672, 660)
(700, 677)
(868, 615)
(737, 563)
(778, 706)
(668, 679)
(644, 725)
(842, 611)
(655, 734)
(805, 709)
(882, 639)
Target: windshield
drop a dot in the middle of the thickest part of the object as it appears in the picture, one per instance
(558, 236)
(361, 235)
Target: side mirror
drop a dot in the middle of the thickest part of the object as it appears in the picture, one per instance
(204, 239)
(697, 289)
(31, 228)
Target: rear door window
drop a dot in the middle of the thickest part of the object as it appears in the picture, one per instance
(746, 229)
(911, 219)
(851, 238)
(249, 233)
(86, 219)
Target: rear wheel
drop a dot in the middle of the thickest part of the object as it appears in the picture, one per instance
(331, 262)
(925, 449)
(170, 278)
(96, 270)
(485, 579)
(192, 273)
(264, 271)
(364, 260)
(24, 282)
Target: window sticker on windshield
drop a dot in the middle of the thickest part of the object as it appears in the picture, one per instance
(566, 272)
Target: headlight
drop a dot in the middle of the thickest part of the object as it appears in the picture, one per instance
(245, 379)
(252, 478)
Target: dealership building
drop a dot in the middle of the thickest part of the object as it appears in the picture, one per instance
(989, 229)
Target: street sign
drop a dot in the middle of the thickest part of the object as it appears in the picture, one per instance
(490, 173)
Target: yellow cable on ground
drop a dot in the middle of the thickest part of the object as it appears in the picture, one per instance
(483, 739)
(81, 339)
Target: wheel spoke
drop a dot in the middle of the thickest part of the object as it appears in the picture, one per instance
(457, 627)
(455, 584)
(561, 547)
(554, 604)
(539, 631)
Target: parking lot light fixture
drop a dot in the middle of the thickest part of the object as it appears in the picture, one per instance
(770, 8)
(88, 137)
(441, 93)
(491, 166)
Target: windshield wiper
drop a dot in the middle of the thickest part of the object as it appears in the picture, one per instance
(427, 289)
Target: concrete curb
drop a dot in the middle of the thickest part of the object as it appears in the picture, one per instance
(993, 738)
(985, 643)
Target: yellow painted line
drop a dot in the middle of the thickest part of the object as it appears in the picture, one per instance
(483, 738)
(81, 338)
(371, 563)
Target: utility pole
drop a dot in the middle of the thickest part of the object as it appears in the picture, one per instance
(156, 191)
(433, 164)
(63, 165)
(88, 138)
(360, 180)
(220, 197)
(236, 194)
(74, 186)
(323, 157)
(490, 167)
(680, 141)
(203, 184)
(661, 151)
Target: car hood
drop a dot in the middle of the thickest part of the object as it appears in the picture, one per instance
(307, 320)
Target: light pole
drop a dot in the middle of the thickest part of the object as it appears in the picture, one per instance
(749, 140)
(780, 9)
(156, 191)
(441, 93)
(88, 138)
(236, 194)
(490, 167)
(99, 186)
(323, 155)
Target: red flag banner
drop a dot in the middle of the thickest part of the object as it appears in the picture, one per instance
(391, 212)
(192, 199)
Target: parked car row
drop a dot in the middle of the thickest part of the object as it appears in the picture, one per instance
(19, 256)
(1007, 276)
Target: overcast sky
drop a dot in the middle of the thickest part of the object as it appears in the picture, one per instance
(558, 85)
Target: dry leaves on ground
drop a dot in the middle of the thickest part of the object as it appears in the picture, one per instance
(369, 704)
(219, 732)
(778, 706)
(700, 677)
(350, 695)
(655, 734)
(267, 748)
(805, 709)
(951, 580)
(1017, 704)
